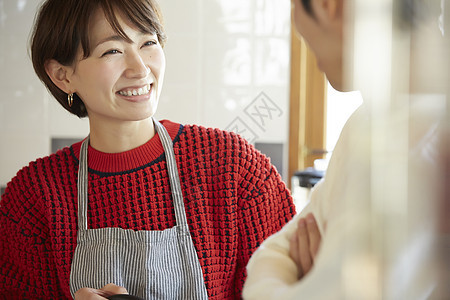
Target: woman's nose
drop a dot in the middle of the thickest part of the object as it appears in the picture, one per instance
(136, 66)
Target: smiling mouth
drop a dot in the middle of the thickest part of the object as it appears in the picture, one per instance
(136, 92)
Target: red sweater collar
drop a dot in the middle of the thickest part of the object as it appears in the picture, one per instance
(128, 160)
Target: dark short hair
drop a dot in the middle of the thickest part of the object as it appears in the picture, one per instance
(61, 26)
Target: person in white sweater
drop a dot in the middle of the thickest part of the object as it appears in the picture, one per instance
(361, 253)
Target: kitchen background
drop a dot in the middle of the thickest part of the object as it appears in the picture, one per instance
(227, 67)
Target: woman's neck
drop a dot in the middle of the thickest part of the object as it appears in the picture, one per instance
(119, 137)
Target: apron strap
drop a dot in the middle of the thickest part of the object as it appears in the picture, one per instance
(83, 186)
(174, 179)
(177, 195)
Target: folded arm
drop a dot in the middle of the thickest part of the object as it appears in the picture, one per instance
(276, 265)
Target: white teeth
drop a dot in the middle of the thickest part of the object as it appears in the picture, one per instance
(138, 92)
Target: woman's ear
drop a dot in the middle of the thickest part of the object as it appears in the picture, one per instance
(58, 73)
(328, 11)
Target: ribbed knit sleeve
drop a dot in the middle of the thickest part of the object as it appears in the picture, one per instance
(238, 200)
(265, 206)
(27, 258)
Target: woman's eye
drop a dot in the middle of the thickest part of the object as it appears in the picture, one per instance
(113, 51)
(150, 43)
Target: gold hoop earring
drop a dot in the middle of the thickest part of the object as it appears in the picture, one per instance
(70, 99)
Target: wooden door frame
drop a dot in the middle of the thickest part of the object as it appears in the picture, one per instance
(307, 108)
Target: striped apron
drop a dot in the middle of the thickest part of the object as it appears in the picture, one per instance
(149, 264)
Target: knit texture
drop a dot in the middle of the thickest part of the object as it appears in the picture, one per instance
(234, 199)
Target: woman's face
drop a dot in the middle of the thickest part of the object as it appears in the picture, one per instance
(120, 81)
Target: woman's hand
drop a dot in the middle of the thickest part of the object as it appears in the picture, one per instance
(101, 294)
(304, 244)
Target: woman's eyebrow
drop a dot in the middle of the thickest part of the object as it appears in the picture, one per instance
(109, 38)
(117, 37)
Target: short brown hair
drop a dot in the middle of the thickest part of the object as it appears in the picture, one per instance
(61, 26)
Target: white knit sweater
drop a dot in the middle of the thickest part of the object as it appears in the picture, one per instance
(356, 229)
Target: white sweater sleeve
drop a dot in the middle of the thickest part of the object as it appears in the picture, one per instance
(272, 274)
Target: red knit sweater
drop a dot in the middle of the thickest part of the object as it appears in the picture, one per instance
(234, 199)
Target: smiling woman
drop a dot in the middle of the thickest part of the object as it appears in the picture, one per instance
(154, 209)
(112, 79)
(67, 42)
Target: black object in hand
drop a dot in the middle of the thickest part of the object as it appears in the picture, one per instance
(124, 297)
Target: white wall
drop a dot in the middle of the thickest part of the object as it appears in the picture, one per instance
(227, 67)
